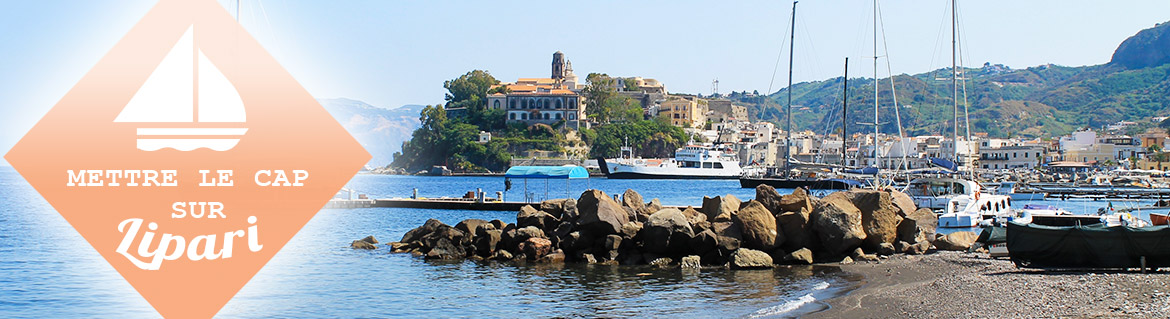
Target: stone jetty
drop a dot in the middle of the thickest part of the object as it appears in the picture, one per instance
(846, 226)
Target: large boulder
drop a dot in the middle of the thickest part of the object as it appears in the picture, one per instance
(919, 225)
(879, 217)
(667, 231)
(487, 240)
(446, 250)
(472, 226)
(904, 202)
(745, 258)
(365, 243)
(704, 242)
(797, 201)
(444, 243)
(535, 248)
(720, 209)
(759, 227)
(956, 241)
(631, 230)
(417, 234)
(654, 205)
(838, 224)
(632, 199)
(576, 241)
(800, 256)
(697, 219)
(554, 207)
(569, 210)
(600, 213)
(524, 233)
(529, 216)
(768, 196)
(797, 230)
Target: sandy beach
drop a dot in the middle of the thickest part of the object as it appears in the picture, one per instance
(948, 284)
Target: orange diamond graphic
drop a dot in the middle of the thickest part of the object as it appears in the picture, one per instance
(187, 157)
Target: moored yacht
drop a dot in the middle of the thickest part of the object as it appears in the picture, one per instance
(972, 210)
(694, 161)
(936, 192)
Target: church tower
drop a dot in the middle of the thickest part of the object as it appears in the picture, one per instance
(558, 66)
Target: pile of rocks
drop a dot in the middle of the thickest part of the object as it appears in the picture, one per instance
(855, 225)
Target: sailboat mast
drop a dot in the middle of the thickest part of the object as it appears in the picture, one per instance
(955, 76)
(845, 113)
(788, 129)
(875, 97)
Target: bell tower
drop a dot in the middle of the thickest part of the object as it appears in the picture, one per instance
(558, 66)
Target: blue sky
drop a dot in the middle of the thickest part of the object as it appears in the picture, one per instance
(391, 53)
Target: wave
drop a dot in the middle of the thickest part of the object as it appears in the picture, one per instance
(792, 304)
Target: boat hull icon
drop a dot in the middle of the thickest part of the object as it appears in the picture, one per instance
(184, 95)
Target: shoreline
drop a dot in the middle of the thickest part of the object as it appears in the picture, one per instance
(944, 284)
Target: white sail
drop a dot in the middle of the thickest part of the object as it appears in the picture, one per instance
(218, 99)
(167, 95)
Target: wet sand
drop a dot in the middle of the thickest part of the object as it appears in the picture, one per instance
(970, 285)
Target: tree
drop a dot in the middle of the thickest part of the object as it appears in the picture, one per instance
(443, 141)
(597, 93)
(469, 90)
(649, 138)
(631, 85)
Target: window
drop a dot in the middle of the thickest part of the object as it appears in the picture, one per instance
(718, 165)
(558, 105)
(546, 116)
(707, 165)
(511, 116)
(558, 116)
(496, 104)
(511, 104)
(572, 116)
(523, 116)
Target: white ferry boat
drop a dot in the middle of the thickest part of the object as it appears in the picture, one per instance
(694, 161)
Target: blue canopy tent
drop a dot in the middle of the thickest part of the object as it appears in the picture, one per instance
(546, 173)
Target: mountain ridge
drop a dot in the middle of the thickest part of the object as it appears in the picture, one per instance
(1040, 101)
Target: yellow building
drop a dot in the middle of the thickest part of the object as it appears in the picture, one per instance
(685, 111)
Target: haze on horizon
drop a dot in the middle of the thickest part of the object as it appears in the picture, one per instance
(395, 53)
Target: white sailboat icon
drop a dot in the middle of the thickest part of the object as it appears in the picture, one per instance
(168, 96)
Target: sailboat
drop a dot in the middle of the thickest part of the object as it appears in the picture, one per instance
(184, 95)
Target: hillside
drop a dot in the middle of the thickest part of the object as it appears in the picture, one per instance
(381, 131)
(1041, 101)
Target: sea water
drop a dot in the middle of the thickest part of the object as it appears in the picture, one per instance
(48, 270)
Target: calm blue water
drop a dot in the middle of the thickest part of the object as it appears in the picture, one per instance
(48, 270)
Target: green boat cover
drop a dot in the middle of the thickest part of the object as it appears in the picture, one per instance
(1095, 246)
(993, 235)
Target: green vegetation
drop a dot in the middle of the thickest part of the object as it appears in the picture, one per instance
(649, 138)
(605, 105)
(1042, 101)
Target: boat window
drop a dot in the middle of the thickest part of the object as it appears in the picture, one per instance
(718, 165)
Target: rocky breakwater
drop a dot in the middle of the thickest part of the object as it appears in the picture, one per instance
(855, 225)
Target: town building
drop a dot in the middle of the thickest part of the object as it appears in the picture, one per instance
(543, 100)
(684, 111)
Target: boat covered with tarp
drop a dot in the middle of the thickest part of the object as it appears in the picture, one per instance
(1091, 246)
